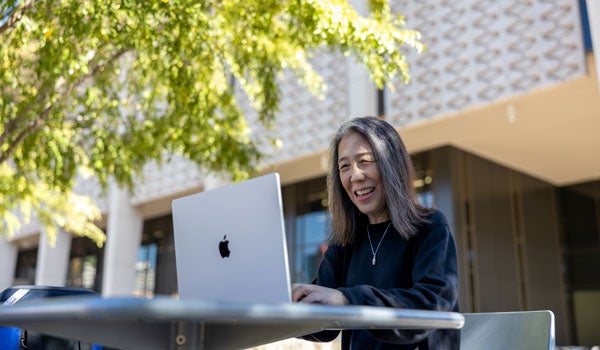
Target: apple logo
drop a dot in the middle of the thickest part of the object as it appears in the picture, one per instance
(224, 247)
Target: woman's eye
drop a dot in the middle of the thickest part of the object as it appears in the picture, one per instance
(344, 166)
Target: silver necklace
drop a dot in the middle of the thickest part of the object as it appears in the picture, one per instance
(374, 261)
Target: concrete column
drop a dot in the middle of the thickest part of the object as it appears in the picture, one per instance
(53, 262)
(362, 92)
(8, 263)
(593, 10)
(123, 237)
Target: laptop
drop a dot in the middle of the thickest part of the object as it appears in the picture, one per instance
(230, 243)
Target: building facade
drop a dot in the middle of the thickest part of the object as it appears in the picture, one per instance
(502, 117)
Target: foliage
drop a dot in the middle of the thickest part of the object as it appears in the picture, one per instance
(105, 86)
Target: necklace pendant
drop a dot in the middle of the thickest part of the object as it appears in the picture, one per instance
(374, 251)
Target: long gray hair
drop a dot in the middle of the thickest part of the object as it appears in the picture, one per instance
(397, 176)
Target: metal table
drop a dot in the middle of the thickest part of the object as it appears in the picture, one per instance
(164, 323)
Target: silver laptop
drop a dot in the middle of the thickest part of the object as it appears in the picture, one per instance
(230, 243)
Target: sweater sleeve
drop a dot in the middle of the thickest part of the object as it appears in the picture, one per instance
(434, 278)
(329, 275)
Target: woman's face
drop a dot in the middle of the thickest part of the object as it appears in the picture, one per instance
(361, 178)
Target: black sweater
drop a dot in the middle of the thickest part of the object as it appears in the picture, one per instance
(419, 273)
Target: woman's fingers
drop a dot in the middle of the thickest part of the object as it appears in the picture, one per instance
(298, 292)
(311, 293)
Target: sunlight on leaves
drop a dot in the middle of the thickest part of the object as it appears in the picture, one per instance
(101, 88)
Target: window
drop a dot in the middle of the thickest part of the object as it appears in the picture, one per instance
(145, 270)
(156, 271)
(26, 263)
(307, 226)
(423, 179)
(85, 264)
(311, 231)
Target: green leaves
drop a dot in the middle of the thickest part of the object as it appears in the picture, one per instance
(106, 86)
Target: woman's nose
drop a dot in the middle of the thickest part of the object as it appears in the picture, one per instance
(356, 173)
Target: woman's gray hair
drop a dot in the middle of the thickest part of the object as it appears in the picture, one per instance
(397, 176)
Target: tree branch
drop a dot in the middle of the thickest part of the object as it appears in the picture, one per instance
(16, 16)
(41, 118)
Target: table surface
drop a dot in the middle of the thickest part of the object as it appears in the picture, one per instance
(165, 323)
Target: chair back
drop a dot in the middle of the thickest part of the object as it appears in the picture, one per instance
(531, 330)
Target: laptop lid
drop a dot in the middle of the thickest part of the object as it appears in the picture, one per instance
(230, 243)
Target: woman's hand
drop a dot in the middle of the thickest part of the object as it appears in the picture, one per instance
(312, 293)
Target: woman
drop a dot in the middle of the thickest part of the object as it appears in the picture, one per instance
(385, 249)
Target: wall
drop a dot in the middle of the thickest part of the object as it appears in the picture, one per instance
(507, 230)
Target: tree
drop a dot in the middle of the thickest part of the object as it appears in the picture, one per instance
(101, 87)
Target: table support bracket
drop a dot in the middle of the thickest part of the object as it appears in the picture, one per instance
(187, 335)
